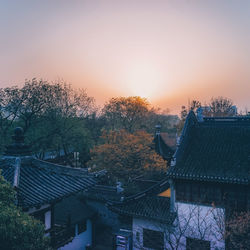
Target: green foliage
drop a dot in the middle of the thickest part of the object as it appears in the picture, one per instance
(7, 194)
(18, 230)
(53, 116)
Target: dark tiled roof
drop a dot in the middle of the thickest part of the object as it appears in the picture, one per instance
(74, 208)
(217, 149)
(41, 182)
(162, 145)
(150, 207)
(147, 204)
(102, 193)
(151, 191)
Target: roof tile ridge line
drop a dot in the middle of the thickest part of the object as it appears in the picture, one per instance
(17, 172)
(60, 166)
(190, 121)
(141, 194)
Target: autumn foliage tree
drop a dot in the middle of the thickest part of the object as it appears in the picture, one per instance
(135, 113)
(125, 155)
(127, 113)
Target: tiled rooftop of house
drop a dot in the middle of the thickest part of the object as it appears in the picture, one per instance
(149, 207)
(38, 182)
(215, 149)
(164, 144)
(41, 182)
(147, 204)
(102, 193)
(73, 209)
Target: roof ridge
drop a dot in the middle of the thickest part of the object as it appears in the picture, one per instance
(143, 193)
(61, 169)
(17, 172)
(190, 122)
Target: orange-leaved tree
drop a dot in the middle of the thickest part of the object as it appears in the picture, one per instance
(125, 155)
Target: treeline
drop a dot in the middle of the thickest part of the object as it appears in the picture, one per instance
(217, 107)
(58, 118)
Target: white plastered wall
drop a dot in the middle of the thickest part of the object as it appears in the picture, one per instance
(139, 224)
(201, 222)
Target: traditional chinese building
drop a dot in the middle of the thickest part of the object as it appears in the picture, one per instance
(48, 191)
(165, 144)
(147, 216)
(209, 176)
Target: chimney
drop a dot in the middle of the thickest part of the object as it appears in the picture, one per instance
(199, 112)
(234, 110)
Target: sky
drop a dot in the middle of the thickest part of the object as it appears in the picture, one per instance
(167, 51)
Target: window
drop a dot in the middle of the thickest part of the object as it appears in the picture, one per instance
(153, 239)
(196, 244)
(47, 220)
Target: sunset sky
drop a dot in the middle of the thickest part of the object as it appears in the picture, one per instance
(167, 51)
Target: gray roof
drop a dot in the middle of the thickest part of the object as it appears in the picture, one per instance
(216, 149)
(149, 207)
(162, 147)
(147, 204)
(39, 182)
(102, 193)
(74, 208)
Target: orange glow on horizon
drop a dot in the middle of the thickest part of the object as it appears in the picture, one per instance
(167, 51)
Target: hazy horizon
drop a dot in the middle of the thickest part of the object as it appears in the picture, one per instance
(167, 51)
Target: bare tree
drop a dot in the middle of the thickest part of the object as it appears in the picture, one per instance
(195, 227)
(221, 106)
(238, 231)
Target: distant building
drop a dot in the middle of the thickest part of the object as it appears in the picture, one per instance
(48, 192)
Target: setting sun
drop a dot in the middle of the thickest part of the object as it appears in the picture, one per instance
(143, 79)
